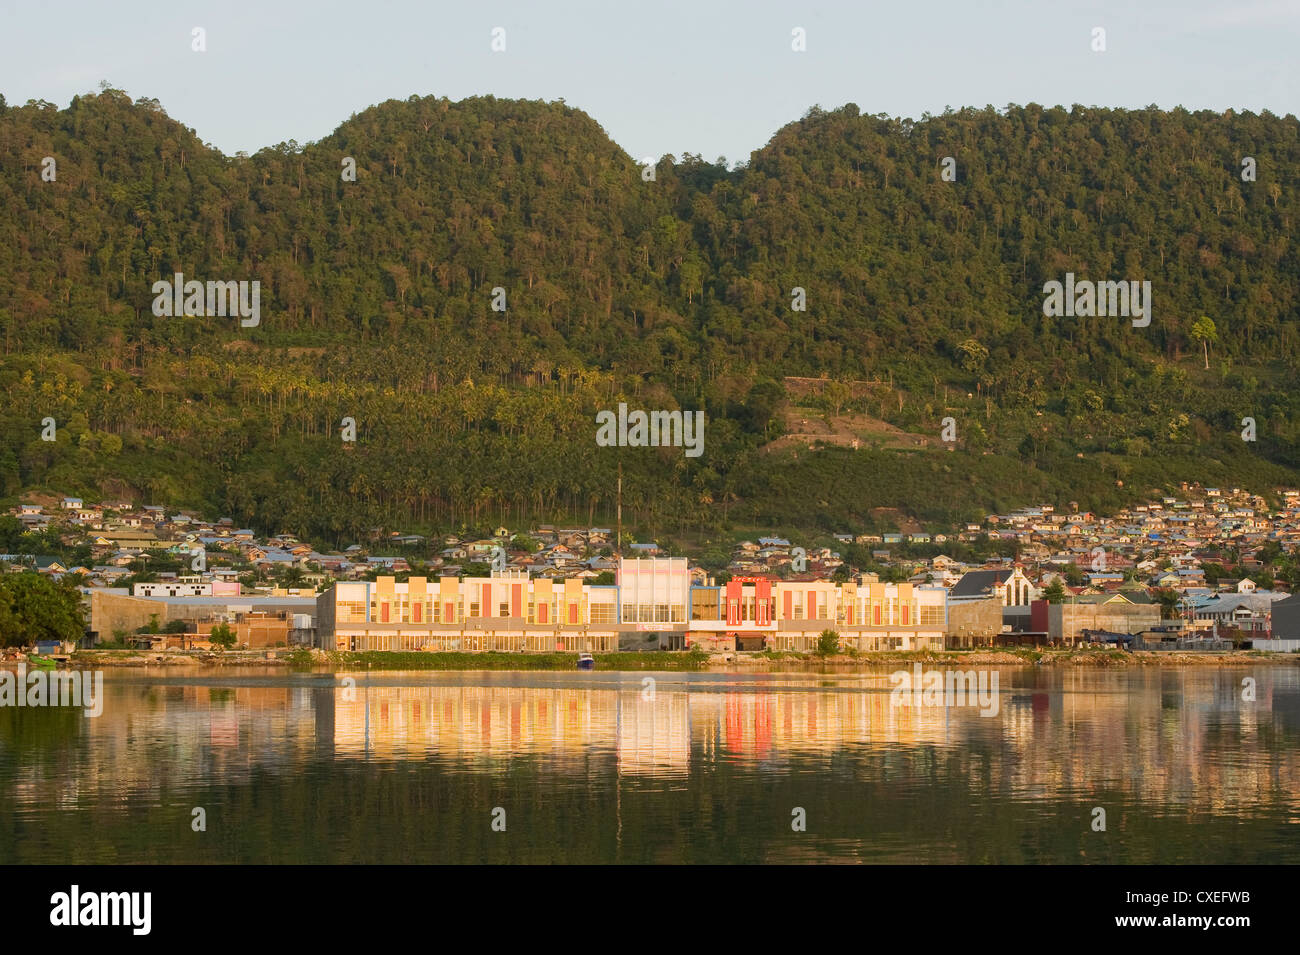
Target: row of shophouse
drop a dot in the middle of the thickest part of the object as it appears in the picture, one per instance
(656, 603)
(652, 605)
(659, 603)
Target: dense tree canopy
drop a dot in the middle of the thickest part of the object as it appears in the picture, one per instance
(924, 301)
(33, 607)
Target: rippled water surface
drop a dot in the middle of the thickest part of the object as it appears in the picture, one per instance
(702, 767)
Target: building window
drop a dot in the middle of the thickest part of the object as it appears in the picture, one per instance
(704, 605)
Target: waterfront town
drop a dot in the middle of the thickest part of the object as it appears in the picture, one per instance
(1206, 568)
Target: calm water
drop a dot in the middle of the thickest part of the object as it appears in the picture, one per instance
(409, 767)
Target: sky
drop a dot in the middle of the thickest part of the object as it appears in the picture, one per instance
(661, 76)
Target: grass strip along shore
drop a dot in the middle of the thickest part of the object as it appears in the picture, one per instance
(308, 659)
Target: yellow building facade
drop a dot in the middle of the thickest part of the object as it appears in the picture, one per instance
(507, 612)
(652, 602)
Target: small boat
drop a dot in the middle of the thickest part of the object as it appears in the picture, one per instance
(586, 661)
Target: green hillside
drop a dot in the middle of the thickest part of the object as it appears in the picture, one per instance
(924, 301)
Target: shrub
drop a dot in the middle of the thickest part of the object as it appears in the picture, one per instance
(222, 636)
(828, 643)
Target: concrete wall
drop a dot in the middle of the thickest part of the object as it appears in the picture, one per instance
(974, 622)
(1286, 618)
(1284, 646)
(1065, 620)
(110, 612)
(252, 631)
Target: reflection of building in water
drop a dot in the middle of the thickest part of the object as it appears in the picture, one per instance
(195, 730)
(654, 736)
(774, 723)
(648, 735)
(471, 721)
(1165, 737)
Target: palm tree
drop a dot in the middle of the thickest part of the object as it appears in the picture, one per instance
(1203, 331)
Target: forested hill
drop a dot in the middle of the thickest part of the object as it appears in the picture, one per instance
(924, 301)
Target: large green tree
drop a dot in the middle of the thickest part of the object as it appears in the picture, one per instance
(34, 607)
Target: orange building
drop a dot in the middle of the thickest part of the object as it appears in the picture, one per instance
(755, 613)
(252, 630)
(503, 612)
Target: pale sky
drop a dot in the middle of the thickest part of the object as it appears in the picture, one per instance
(661, 76)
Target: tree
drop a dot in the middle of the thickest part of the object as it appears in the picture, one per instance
(677, 292)
(1054, 592)
(34, 608)
(1203, 331)
(223, 636)
(525, 543)
(973, 355)
(1168, 600)
(289, 576)
(828, 643)
(836, 395)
